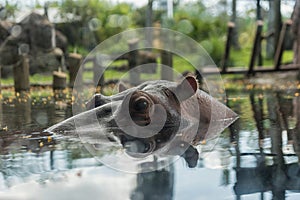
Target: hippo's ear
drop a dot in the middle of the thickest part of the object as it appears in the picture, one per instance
(122, 87)
(187, 88)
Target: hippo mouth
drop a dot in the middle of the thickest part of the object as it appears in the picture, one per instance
(142, 147)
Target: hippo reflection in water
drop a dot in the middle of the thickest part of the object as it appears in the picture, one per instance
(145, 118)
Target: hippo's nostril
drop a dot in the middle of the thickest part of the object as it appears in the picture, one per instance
(146, 148)
(137, 147)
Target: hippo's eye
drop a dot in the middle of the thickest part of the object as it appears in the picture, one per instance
(141, 105)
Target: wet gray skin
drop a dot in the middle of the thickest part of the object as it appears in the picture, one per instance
(132, 117)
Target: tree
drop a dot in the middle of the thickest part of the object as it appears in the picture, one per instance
(8, 10)
(235, 36)
(99, 19)
(274, 27)
(296, 32)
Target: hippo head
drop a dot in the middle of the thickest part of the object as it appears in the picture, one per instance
(143, 119)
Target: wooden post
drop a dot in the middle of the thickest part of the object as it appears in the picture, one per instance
(22, 110)
(74, 62)
(21, 74)
(1, 115)
(257, 109)
(134, 74)
(285, 106)
(276, 142)
(235, 35)
(275, 129)
(238, 159)
(296, 135)
(258, 8)
(260, 57)
(0, 80)
(277, 21)
(235, 128)
(255, 49)
(1, 109)
(280, 45)
(166, 65)
(59, 80)
(149, 14)
(225, 59)
(296, 33)
(98, 71)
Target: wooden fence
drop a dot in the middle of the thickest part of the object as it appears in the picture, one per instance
(139, 57)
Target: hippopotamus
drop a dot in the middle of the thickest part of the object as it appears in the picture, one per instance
(147, 118)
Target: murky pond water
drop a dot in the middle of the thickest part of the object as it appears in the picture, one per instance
(256, 158)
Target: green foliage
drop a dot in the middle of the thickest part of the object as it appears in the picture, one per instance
(214, 47)
(197, 22)
(86, 9)
(10, 9)
(139, 16)
(99, 19)
(78, 49)
(34, 79)
(93, 21)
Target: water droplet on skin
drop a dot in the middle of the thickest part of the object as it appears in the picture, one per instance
(94, 24)
(16, 31)
(113, 20)
(135, 146)
(42, 118)
(23, 49)
(3, 14)
(123, 21)
(185, 26)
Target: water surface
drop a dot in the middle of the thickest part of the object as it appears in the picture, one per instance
(256, 158)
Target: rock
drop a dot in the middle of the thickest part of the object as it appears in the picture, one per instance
(5, 26)
(34, 36)
(38, 32)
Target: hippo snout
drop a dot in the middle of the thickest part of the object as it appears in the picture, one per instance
(64, 127)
